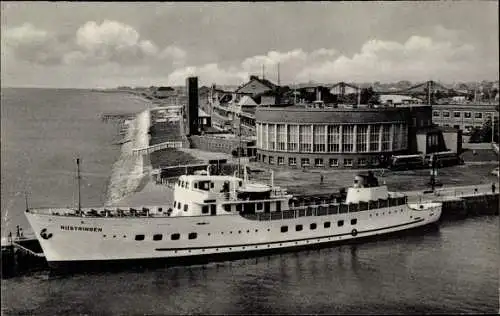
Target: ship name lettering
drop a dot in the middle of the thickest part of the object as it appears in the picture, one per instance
(81, 228)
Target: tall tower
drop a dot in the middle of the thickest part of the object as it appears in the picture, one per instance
(192, 106)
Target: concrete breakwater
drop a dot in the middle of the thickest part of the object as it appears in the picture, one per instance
(129, 170)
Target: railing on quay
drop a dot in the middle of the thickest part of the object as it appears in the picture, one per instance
(153, 148)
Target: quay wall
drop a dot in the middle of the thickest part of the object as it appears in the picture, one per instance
(469, 206)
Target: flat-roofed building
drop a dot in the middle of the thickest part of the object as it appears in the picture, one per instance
(321, 136)
(463, 116)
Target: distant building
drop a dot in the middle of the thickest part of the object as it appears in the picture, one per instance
(395, 99)
(256, 86)
(462, 116)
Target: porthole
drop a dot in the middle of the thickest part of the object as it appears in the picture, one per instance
(268, 246)
(239, 231)
(284, 229)
(104, 236)
(157, 237)
(327, 224)
(354, 221)
(231, 232)
(139, 237)
(268, 229)
(192, 235)
(255, 247)
(248, 231)
(312, 226)
(216, 249)
(175, 236)
(256, 230)
(124, 236)
(243, 247)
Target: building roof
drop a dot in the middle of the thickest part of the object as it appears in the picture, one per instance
(263, 81)
(247, 101)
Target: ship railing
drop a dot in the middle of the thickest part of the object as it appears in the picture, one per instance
(105, 212)
(325, 209)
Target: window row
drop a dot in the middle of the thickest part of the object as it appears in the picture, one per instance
(158, 237)
(458, 114)
(332, 138)
(313, 226)
(317, 162)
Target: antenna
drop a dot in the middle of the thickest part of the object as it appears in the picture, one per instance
(278, 74)
(26, 201)
(78, 178)
(239, 148)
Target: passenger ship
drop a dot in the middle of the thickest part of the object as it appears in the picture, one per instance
(215, 217)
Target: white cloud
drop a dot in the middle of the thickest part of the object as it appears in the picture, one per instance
(173, 53)
(93, 44)
(419, 58)
(25, 33)
(208, 74)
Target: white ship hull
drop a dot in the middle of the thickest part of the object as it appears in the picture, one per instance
(73, 239)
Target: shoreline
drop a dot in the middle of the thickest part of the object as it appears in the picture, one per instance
(129, 172)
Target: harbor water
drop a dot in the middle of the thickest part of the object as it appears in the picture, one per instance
(450, 270)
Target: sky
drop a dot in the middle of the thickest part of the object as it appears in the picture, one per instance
(104, 45)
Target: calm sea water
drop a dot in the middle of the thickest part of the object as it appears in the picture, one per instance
(452, 270)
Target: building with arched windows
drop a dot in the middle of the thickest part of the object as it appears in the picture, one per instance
(342, 137)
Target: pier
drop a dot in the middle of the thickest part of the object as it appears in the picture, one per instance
(21, 255)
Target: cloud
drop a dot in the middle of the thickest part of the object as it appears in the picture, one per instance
(32, 45)
(93, 44)
(419, 58)
(112, 51)
(209, 73)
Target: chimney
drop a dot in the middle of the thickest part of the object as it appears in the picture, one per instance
(192, 106)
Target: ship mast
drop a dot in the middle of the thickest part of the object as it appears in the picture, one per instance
(78, 179)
